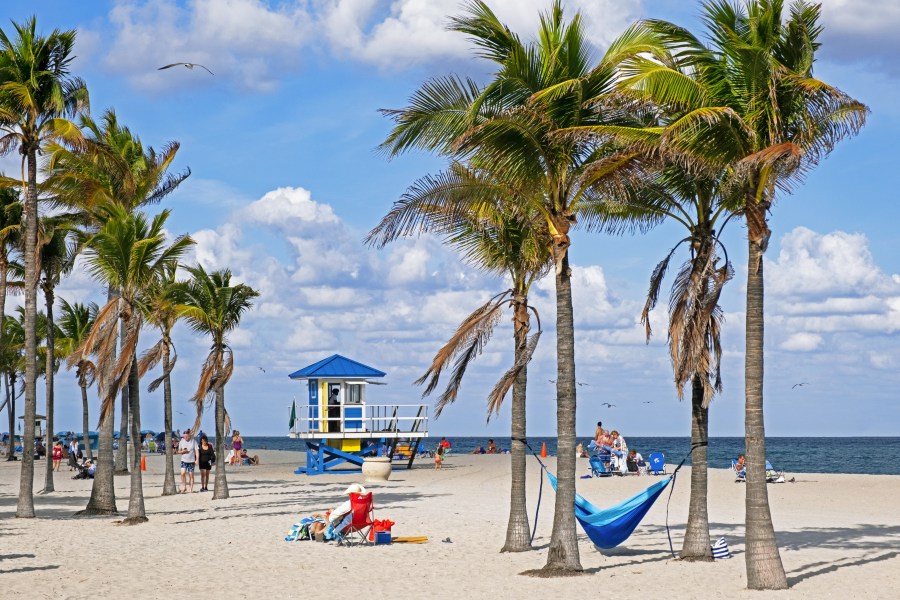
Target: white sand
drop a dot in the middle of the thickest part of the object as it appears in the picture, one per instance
(839, 537)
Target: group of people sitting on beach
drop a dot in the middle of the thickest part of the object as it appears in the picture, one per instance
(491, 448)
(612, 449)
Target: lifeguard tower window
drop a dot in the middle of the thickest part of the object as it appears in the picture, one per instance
(354, 393)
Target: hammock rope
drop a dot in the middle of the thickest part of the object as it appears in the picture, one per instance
(610, 527)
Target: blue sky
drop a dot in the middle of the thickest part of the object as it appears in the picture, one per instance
(287, 179)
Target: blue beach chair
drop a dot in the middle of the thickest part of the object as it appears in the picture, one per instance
(657, 464)
(598, 468)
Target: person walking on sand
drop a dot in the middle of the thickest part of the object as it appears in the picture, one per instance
(237, 442)
(187, 448)
(439, 457)
(206, 457)
(57, 455)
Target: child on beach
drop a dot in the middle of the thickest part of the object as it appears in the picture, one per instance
(57, 455)
(439, 457)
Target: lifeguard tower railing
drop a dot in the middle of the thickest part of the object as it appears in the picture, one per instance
(369, 421)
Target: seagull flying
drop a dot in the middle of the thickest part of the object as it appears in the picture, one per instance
(261, 369)
(186, 65)
(607, 404)
(799, 384)
(648, 401)
(576, 383)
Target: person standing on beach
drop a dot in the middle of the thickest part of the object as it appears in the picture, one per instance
(187, 448)
(237, 442)
(206, 456)
(439, 457)
(57, 455)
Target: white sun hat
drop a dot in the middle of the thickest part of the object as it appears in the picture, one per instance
(355, 488)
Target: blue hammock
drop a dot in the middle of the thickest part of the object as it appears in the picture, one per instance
(608, 528)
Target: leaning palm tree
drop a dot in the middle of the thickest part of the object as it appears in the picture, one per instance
(75, 323)
(56, 259)
(753, 105)
(538, 89)
(214, 307)
(498, 242)
(37, 94)
(162, 312)
(129, 253)
(111, 166)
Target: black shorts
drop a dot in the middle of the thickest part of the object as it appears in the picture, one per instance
(205, 466)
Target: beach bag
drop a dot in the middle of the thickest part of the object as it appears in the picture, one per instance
(720, 549)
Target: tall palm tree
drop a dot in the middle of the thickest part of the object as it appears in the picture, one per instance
(56, 258)
(75, 322)
(538, 89)
(498, 242)
(214, 307)
(162, 312)
(129, 253)
(10, 226)
(111, 166)
(753, 104)
(37, 94)
(12, 365)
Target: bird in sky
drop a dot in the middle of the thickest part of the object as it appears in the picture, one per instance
(799, 384)
(261, 369)
(648, 401)
(187, 65)
(607, 404)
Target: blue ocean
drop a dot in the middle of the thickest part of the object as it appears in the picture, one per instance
(871, 456)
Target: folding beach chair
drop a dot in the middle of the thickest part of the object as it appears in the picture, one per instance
(362, 522)
(740, 475)
(598, 468)
(657, 463)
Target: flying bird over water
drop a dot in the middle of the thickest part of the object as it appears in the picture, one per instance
(799, 384)
(186, 65)
(261, 369)
(576, 383)
(607, 404)
(648, 401)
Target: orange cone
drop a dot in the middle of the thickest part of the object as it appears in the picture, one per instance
(543, 449)
(143, 463)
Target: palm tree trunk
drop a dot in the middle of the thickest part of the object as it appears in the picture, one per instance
(48, 378)
(169, 481)
(136, 512)
(122, 453)
(518, 538)
(85, 422)
(221, 486)
(764, 568)
(25, 505)
(103, 492)
(563, 555)
(11, 410)
(696, 546)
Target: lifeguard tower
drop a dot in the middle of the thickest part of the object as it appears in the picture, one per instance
(340, 425)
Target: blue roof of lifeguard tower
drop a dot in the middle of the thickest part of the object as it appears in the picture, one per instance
(336, 366)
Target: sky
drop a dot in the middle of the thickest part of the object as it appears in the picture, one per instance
(282, 143)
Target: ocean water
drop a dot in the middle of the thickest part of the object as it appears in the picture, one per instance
(872, 456)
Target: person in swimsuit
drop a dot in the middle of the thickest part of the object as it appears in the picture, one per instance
(237, 442)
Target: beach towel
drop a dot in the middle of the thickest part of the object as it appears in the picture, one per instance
(300, 529)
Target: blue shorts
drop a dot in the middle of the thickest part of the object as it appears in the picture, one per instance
(189, 467)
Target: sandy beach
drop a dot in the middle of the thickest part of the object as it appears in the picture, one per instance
(839, 536)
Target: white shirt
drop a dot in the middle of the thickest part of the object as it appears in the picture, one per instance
(191, 447)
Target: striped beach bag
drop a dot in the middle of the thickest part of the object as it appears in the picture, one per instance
(720, 549)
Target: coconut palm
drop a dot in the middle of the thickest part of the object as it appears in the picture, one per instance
(751, 103)
(10, 226)
(538, 89)
(56, 258)
(37, 94)
(498, 242)
(129, 253)
(112, 166)
(162, 312)
(214, 307)
(12, 365)
(75, 322)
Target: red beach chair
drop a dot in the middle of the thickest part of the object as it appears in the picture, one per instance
(362, 509)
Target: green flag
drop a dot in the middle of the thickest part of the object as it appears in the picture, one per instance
(293, 414)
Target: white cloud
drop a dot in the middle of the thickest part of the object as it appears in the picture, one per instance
(245, 41)
(289, 207)
(862, 31)
(802, 342)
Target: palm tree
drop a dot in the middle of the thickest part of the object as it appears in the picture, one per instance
(75, 322)
(214, 307)
(56, 258)
(129, 253)
(752, 104)
(111, 166)
(163, 314)
(538, 89)
(498, 242)
(12, 364)
(37, 93)
(10, 226)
